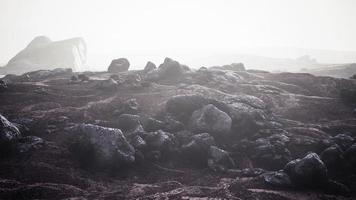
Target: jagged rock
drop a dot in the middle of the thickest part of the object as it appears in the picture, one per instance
(309, 171)
(107, 145)
(336, 188)
(278, 179)
(197, 150)
(149, 66)
(128, 122)
(42, 53)
(210, 119)
(219, 160)
(8, 131)
(119, 65)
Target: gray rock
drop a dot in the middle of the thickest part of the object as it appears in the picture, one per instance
(110, 143)
(197, 150)
(119, 65)
(309, 171)
(210, 119)
(278, 179)
(149, 66)
(161, 141)
(8, 131)
(333, 158)
(219, 159)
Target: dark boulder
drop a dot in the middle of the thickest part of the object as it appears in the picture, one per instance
(130, 106)
(219, 159)
(277, 179)
(309, 171)
(197, 150)
(210, 119)
(95, 145)
(128, 122)
(161, 141)
(350, 158)
(119, 65)
(333, 159)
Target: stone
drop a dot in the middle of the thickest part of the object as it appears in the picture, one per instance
(219, 159)
(169, 70)
(8, 131)
(309, 171)
(278, 179)
(210, 119)
(128, 122)
(149, 66)
(119, 65)
(197, 150)
(109, 144)
(333, 158)
(161, 141)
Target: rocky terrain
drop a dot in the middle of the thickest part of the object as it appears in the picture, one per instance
(171, 132)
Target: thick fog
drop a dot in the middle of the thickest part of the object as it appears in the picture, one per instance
(197, 32)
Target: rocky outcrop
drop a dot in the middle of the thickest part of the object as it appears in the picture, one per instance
(119, 65)
(44, 54)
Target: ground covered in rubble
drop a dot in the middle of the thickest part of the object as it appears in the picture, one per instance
(171, 132)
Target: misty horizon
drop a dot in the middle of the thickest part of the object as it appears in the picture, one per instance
(187, 31)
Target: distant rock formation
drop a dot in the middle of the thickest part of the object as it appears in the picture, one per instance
(119, 65)
(42, 53)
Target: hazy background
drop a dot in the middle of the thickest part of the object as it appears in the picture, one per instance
(193, 32)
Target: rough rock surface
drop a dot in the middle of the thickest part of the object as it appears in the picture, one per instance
(99, 135)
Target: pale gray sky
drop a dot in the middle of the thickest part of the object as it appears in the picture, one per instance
(159, 28)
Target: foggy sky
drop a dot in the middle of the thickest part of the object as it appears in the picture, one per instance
(159, 28)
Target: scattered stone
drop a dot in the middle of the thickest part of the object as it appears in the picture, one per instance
(333, 158)
(161, 141)
(309, 171)
(197, 150)
(119, 65)
(252, 172)
(343, 141)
